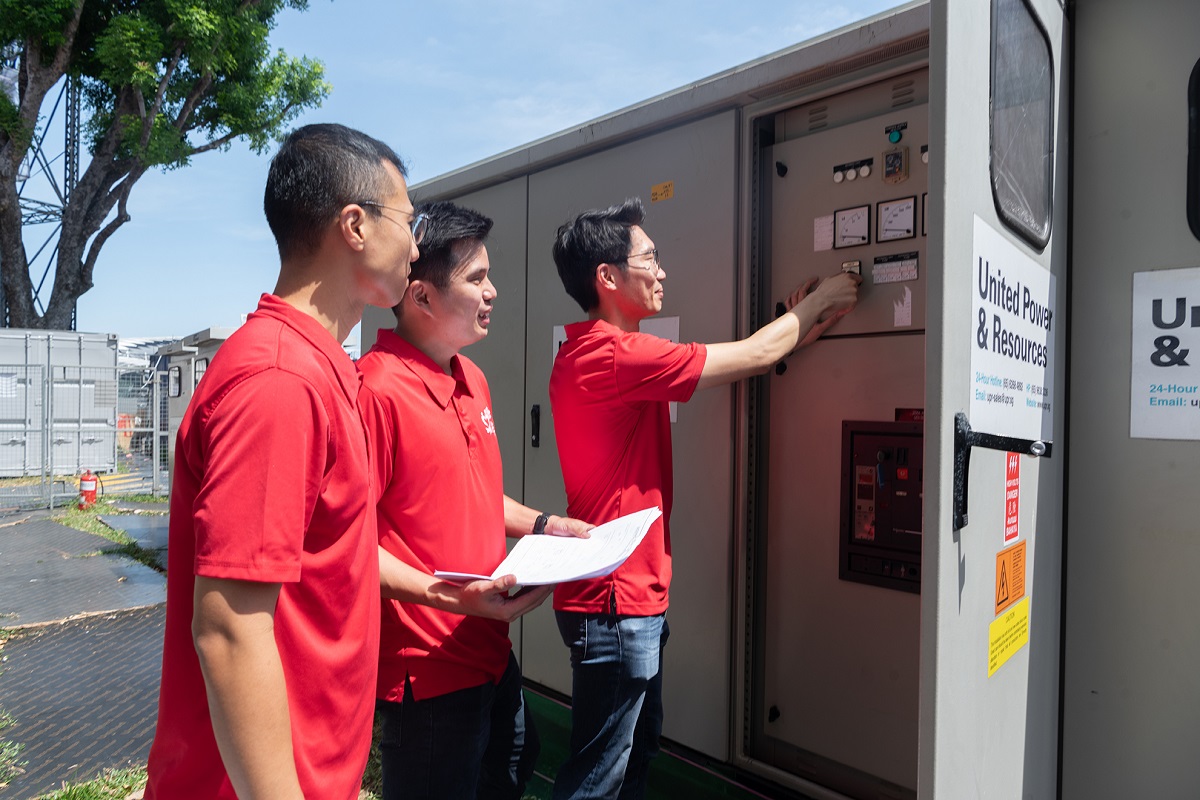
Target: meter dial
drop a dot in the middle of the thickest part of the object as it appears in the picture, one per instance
(897, 219)
(852, 226)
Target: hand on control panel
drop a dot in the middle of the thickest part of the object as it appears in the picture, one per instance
(837, 294)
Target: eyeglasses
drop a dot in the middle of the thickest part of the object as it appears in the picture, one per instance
(418, 226)
(654, 265)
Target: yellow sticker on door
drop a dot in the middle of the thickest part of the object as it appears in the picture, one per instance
(662, 191)
(1007, 634)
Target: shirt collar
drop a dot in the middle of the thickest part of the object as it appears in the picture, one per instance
(315, 334)
(577, 330)
(441, 387)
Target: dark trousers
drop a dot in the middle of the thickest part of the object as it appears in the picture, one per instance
(473, 744)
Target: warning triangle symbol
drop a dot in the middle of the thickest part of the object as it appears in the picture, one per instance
(1002, 584)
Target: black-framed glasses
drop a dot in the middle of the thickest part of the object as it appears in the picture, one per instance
(418, 226)
(654, 266)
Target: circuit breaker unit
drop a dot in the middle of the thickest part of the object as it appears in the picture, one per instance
(882, 472)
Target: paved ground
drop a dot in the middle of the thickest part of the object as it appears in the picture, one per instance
(49, 572)
(84, 694)
(80, 677)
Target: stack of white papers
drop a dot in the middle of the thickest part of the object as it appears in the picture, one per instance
(537, 560)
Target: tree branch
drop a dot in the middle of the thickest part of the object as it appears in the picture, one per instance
(193, 99)
(215, 143)
(89, 263)
(148, 119)
(62, 56)
(205, 83)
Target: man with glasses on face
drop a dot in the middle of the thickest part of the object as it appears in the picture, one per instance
(271, 641)
(454, 720)
(609, 393)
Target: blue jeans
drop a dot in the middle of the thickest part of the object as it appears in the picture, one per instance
(474, 743)
(616, 705)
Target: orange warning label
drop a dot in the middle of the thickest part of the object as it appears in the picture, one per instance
(1010, 576)
(662, 191)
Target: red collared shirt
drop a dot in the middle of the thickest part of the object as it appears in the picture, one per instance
(435, 455)
(271, 484)
(609, 393)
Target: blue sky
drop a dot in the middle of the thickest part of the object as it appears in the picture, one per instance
(446, 83)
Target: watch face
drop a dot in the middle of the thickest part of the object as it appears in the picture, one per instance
(897, 219)
(852, 226)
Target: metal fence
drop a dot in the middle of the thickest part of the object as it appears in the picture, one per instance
(58, 421)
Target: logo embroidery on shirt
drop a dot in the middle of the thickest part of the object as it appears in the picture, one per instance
(488, 424)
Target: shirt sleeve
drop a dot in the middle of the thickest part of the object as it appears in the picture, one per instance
(650, 368)
(266, 444)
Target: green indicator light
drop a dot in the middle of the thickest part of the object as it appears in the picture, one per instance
(894, 136)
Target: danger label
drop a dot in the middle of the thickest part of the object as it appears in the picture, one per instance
(1012, 496)
(1010, 576)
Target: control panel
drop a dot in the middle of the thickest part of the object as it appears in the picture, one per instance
(882, 478)
(855, 198)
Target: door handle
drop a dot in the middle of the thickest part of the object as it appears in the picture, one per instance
(535, 424)
(964, 440)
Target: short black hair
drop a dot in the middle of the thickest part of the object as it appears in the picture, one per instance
(599, 236)
(454, 234)
(318, 171)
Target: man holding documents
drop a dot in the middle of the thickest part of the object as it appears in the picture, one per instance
(609, 393)
(455, 724)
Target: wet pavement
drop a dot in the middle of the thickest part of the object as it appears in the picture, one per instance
(80, 674)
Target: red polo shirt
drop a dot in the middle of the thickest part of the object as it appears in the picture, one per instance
(608, 393)
(271, 484)
(434, 452)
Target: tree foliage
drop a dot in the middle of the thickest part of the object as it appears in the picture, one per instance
(161, 81)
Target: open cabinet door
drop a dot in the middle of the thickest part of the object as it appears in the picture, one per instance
(990, 606)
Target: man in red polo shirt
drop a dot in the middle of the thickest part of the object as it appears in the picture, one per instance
(269, 657)
(609, 392)
(455, 724)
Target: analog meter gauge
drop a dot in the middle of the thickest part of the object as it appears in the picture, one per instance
(897, 219)
(852, 226)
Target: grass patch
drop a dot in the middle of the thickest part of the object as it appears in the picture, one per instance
(11, 764)
(88, 520)
(119, 784)
(36, 480)
(114, 784)
(157, 499)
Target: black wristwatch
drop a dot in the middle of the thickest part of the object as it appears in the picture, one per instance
(539, 524)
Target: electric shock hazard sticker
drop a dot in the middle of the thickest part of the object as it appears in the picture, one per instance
(1010, 576)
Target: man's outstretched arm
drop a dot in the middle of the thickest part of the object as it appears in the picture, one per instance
(811, 308)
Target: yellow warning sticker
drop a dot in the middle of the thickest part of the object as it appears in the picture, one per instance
(1007, 635)
(662, 191)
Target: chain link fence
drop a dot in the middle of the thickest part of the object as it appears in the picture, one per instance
(58, 421)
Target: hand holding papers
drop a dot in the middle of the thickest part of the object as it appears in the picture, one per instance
(537, 560)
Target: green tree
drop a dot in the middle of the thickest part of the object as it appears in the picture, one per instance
(161, 81)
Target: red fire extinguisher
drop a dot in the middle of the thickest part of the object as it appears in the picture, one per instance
(87, 489)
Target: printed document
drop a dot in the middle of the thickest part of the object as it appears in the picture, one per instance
(539, 560)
